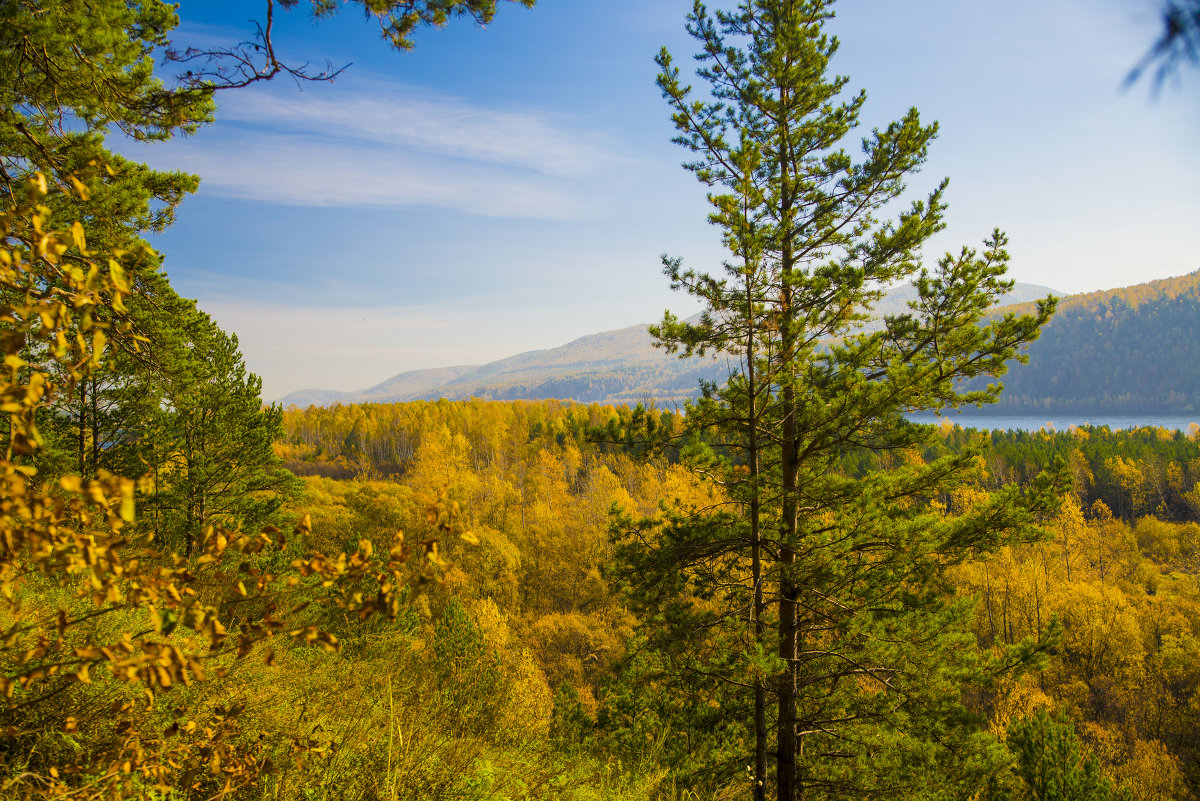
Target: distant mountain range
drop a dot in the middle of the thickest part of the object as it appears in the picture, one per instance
(1120, 351)
(620, 366)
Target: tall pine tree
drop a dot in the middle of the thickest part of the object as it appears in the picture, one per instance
(827, 578)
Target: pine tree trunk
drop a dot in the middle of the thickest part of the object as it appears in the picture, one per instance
(788, 591)
(786, 770)
(789, 634)
(760, 691)
(788, 647)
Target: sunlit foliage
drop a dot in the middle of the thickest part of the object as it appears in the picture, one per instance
(94, 616)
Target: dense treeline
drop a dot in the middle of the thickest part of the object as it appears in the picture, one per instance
(382, 439)
(1136, 472)
(632, 385)
(1132, 473)
(1120, 351)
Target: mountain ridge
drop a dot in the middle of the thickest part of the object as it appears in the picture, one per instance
(622, 366)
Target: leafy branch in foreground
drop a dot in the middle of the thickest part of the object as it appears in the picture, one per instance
(91, 613)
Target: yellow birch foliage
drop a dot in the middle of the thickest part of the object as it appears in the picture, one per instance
(85, 613)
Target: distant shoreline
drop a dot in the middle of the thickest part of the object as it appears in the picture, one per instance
(985, 421)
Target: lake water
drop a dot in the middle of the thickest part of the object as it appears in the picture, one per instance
(1033, 422)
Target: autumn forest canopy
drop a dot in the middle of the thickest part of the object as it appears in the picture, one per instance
(784, 589)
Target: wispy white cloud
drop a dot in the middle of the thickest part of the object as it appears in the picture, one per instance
(308, 171)
(421, 122)
(379, 144)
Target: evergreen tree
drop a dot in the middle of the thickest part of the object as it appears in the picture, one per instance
(212, 440)
(71, 72)
(1049, 765)
(829, 581)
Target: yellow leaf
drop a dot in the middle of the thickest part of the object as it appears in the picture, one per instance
(119, 279)
(80, 189)
(469, 538)
(127, 510)
(45, 248)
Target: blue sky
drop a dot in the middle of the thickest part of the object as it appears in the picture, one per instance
(501, 190)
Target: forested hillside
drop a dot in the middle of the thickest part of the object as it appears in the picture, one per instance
(1122, 351)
